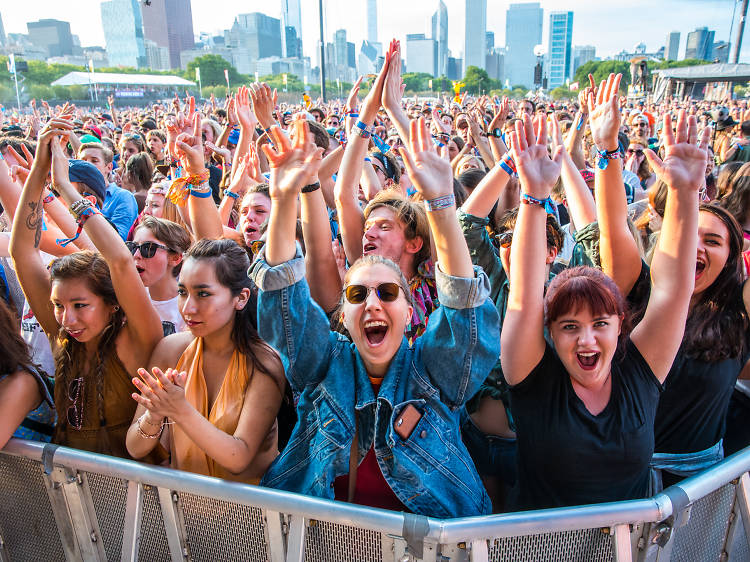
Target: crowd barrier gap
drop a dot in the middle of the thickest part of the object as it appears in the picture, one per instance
(62, 504)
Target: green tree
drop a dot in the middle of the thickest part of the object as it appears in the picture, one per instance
(417, 81)
(477, 80)
(601, 69)
(561, 93)
(212, 71)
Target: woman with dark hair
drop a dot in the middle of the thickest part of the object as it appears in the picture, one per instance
(725, 180)
(378, 418)
(92, 306)
(28, 408)
(137, 177)
(584, 409)
(218, 386)
(690, 419)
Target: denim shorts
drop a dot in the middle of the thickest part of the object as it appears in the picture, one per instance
(492, 455)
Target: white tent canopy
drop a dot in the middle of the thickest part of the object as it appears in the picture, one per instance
(111, 78)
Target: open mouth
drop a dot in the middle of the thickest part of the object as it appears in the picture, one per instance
(700, 267)
(588, 360)
(74, 333)
(369, 247)
(375, 332)
(140, 269)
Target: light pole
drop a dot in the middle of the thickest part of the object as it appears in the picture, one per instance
(322, 54)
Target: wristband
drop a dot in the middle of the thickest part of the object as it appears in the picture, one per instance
(506, 168)
(82, 217)
(200, 194)
(352, 114)
(231, 194)
(362, 130)
(507, 164)
(440, 202)
(311, 187)
(48, 199)
(181, 188)
(604, 156)
(547, 204)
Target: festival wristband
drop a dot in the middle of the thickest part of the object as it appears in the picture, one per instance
(231, 194)
(311, 187)
(604, 156)
(547, 204)
(440, 202)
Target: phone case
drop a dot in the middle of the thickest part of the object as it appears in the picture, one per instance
(406, 421)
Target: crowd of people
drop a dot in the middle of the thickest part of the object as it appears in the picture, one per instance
(448, 308)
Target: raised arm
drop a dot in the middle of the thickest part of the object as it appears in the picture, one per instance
(351, 219)
(522, 340)
(393, 93)
(659, 335)
(581, 204)
(574, 142)
(619, 252)
(432, 177)
(144, 324)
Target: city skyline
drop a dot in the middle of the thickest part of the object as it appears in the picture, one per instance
(654, 21)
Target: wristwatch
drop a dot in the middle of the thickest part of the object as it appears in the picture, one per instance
(497, 133)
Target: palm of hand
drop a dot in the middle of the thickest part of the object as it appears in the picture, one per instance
(536, 168)
(432, 175)
(605, 123)
(684, 166)
(288, 175)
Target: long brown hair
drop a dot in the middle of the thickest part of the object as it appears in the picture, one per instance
(70, 355)
(717, 323)
(15, 351)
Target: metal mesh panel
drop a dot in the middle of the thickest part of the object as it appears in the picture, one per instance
(703, 537)
(30, 531)
(739, 551)
(591, 545)
(329, 542)
(218, 530)
(154, 546)
(109, 496)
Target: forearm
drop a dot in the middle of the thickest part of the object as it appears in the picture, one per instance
(450, 245)
(369, 180)
(574, 142)
(281, 244)
(484, 151)
(528, 272)
(10, 191)
(400, 121)
(56, 211)
(581, 204)
(330, 164)
(225, 209)
(322, 270)
(457, 158)
(486, 194)
(204, 218)
(498, 148)
(350, 214)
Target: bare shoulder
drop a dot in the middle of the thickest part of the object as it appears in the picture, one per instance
(270, 363)
(169, 349)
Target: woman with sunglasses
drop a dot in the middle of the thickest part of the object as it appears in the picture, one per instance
(92, 306)
(584, 409)
(212, 394)
(378, 421)
(690, 419)
(157, 248)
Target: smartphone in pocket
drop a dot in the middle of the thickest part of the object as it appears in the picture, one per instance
(406, 421)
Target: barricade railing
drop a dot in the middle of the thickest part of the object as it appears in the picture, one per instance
(64, 504)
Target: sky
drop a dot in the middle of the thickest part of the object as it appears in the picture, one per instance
(609, 26)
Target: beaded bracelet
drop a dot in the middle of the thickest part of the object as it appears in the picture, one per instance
(202, 191)
(547, 204)
(231, 194)
(148, 435)
(82, 217)
(604, 156)
(438, 203)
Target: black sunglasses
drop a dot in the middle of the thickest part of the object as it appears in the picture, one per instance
(386, 292)
(147, 249)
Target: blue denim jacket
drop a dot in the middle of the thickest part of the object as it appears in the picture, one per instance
(431, 472)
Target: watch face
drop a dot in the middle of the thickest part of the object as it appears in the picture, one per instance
(497, 133)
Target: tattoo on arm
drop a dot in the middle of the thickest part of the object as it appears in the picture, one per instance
(35, 218)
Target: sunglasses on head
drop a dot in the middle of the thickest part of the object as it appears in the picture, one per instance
(386, 292)
(505, 239)
(147, 249)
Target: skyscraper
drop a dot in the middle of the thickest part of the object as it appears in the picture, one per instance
(2, 31)
(372, 21)
(474, 33)
(169, 23)
(291, 16)
(523, 31)
(123, 32)
(52, 35)
(560, 48)
(581, 55)
(258, 33)
(421, 53)
(671, 50)
(440, 35)
(700, 44)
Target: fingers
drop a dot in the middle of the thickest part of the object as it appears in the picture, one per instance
(541, 137)
(197, 127)
(591, 82)
(668, 134)
(600, 93)
(692, 129)
(409, 164)
(520, 139)
(528, 128)
(705, 138)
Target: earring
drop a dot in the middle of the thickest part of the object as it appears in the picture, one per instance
(117, 307)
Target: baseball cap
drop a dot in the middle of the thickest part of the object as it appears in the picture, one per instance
(88, 174)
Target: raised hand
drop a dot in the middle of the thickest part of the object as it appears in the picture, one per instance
(352, 102)
(604, 113)
(20, 171)
(293, 164)
(684, 164)
(243, 107)
(162, 393)
(501, 115)
(537, 172)
(189, 148)
(431, 174)
(263, 103)
(392, 90)
(372, 102)
(220, 151)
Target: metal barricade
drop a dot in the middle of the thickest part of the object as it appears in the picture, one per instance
(58, 503)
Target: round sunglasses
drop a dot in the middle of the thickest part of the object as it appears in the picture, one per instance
(147, 249)
(386, 292)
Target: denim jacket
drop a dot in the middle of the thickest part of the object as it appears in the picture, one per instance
(431, 471)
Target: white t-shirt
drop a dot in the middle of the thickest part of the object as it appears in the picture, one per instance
(34, 336)
(171, 319)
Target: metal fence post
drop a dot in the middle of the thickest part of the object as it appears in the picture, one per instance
(295, 546)
(743, 500)
(174, 524)
(131, 534)
(275, 535)
(622, 546)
